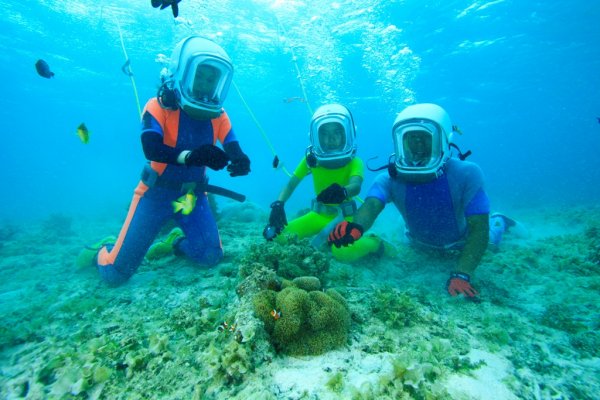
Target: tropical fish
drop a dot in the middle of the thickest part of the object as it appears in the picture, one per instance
(225, 327)
(126, 68)
(43, 69)
(185, 203)
(83, 133)
(456, 129)
(295, 98)
(167, 3)
(275, 314)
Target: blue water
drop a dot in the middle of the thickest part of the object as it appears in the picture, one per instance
(521, 79)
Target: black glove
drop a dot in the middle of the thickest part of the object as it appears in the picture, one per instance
(277, 220)
(239, 167)
(207, 155)
(240, 163)
(334, 194)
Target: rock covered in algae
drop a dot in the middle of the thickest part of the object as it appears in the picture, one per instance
(291, 260)
(302, 322)
(308, 283)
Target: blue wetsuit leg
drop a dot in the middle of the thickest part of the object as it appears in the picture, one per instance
(202, 242)
(145, 220)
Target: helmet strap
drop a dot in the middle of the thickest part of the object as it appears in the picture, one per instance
(311, 159)
(167, 97)
(461, 156)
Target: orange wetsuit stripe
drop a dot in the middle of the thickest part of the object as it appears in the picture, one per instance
(221, 127)
(108, 258)
(169, 122)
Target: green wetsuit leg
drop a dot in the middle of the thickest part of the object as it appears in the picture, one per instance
(359, 249)
(305, 226)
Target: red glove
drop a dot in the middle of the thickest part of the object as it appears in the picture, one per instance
(459, 282)
(345, 233)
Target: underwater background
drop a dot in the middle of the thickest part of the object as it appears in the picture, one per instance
(520, 79)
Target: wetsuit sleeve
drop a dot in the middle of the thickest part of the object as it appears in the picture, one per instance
(302, 169)
(479, 204)
(222, 129)
(475, 196)
(152, 142)
(381, 188)
(357, 168)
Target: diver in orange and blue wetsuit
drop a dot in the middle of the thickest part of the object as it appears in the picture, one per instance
(179, 130)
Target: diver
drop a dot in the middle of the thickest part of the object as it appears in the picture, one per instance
(180, 127)
(441, 198)
(337, 176)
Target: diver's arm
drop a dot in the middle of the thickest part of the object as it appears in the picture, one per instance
(476, 244)
(353, 187)
(156, 150)
(287, 191)
(367, 213)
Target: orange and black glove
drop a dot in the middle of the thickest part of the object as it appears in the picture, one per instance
(459, 282)
(345, 233)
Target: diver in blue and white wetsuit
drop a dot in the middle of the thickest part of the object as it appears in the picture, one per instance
(441, 199)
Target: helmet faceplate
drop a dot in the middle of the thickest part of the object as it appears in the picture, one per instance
(422, 134)
(332, 136)
(201, 72)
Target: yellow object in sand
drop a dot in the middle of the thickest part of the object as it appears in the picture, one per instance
(83, 133)
(185, 203)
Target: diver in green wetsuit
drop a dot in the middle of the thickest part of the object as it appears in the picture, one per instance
(337, 177)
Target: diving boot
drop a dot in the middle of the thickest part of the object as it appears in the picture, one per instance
(387, 249)
(511, 226)
(164, 248)
(508, 222)
(88, 256)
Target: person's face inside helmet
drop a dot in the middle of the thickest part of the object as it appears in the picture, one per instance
(332, 137)
(205, 82)
(417, 147)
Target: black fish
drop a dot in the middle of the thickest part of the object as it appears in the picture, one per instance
(126, 68)
(43, 69)
(598, 118)
(167, 3)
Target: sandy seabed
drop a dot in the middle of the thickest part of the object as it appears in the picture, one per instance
(534, 335)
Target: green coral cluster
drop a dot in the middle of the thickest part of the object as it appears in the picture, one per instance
(592, 234)
(310, 322)
(257, 277)
(408, 379)
(563, 317)
(228, 362)
(289, 261)
(397, 309)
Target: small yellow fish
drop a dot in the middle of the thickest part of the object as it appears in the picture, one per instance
(185, 203)
(83, 133)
